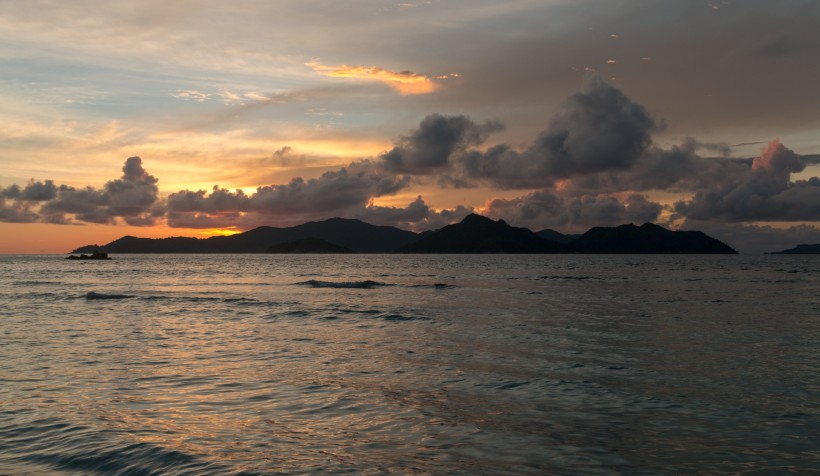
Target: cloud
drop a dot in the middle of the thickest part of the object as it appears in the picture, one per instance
(33, 191)
(547, 209)
(334, 193)
(428, 149)
(778, 160)
(677, 169)
(761, 192)
(598, 129)
(405, 82)
(17, 212)
(218, 201)
(130, 197)
(593, 165)
(417, 215)
(191, 95)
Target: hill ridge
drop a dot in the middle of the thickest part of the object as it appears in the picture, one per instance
(474, 234)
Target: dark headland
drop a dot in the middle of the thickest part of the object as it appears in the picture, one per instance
(474, 234)
(800, 250)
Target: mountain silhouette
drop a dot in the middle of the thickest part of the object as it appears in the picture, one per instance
(478, 234)
(474, 234)
(308, 245)
(552, 235)
(355, 235)
(647, 239)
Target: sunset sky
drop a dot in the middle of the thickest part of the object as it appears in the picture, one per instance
(195, 118)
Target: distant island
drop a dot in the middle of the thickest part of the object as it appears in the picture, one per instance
(800, 250)
(474, 234)
(96, 254)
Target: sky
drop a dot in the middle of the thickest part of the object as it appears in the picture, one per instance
(201, 118)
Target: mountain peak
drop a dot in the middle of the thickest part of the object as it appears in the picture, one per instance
(479, 234)
(476, 218)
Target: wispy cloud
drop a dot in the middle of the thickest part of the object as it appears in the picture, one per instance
(191, 95)
(405, 82)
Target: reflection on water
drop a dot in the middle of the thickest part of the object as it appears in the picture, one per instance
(409, 364)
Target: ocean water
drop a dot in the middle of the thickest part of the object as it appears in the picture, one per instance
(403, 364)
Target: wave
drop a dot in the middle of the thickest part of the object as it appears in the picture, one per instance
(233, 301)
(36, 283)
(367, 284)
(95, 295)
(336, 313)
(402, 317)
(50, 444)
(434, 286)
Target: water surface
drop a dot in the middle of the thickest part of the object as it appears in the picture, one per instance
(373, 364)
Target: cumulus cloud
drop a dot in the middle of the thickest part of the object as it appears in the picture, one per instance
(593, 165)
(548, 209)
(130, 198)
(429, 148)
(598, 129)
(417, 215)
(334, 193)
(405, 82)
(33, 191)
(16, 212)
(761, 192)
(680, 168)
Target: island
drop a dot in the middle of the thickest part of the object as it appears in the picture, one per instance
(800, 250)
(474, 234)
(96, 254)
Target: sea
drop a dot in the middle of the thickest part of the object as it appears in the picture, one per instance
(410, 364)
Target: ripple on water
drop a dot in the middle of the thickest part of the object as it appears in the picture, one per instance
(58, 445)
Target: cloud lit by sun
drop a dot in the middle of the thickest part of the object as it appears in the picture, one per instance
(405, 82)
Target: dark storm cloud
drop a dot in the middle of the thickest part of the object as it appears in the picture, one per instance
(429, 148)
(598, 129)
(130, 197)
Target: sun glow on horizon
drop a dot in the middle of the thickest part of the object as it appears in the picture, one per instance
(229, 231)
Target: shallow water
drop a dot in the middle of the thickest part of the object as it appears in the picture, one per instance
(260, 364)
